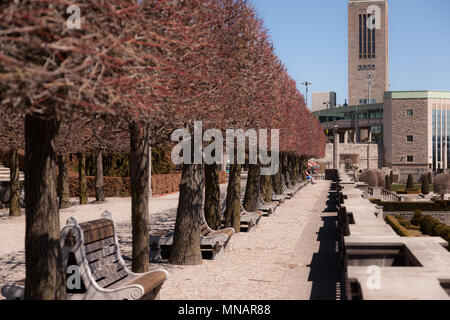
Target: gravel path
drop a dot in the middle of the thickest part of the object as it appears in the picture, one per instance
(272, 262)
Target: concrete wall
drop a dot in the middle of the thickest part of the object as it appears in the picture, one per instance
(319, 98)
(375, 150)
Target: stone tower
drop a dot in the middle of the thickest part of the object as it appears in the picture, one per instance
(367, 51)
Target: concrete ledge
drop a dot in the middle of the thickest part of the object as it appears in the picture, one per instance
(418, 266)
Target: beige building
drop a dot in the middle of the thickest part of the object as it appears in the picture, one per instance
(417, 131)
(368, 62)
(323, 100)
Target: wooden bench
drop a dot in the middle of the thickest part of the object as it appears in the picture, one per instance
(281, 198)
(291, 191)
(267, 207)
(92, 249)
(212, 243)
(249, 219)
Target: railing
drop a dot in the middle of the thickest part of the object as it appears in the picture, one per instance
(385, 194)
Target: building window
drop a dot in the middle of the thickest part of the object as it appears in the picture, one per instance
(410, 138)
(364, 36)
(373, 40)
(373, 67)
(410, 113)
(360, 36)
(359, 68)
(364, 67)
(410, 159)
(369, 40)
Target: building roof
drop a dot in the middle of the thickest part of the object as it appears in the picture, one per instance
(423, 94)
(360, 108)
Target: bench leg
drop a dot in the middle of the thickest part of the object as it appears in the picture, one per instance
(219, 255)
(155, 253)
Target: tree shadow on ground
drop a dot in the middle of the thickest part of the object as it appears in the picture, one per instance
(326, 275)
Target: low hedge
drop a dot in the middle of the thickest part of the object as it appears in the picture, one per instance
(406, 223)
(398, 228)
(438, 205)
(409, 191)
(432, 226)
(120, 187)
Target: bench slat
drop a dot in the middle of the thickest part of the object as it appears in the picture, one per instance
(113, 278)
(104, 262)
(99, 254)
(95, 246)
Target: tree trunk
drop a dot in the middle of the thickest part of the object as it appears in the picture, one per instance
(233, 201)
(63, 182)
(14, 183)
(292, 166)
(285, 171)
(303, 167)
(252, 188)
(266, 188)
(276, 182)
(99, 188)
(296, 169)
(281, 175)
(212, 196)
(82, 178)
(45, 276)
(186, 240)
(139, 171)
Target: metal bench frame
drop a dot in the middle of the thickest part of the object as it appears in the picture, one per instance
(93, 291)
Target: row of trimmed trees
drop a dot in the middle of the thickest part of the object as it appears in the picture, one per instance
(130, 76)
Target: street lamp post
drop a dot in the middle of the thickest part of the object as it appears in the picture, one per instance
(306, 84)
(369, 78)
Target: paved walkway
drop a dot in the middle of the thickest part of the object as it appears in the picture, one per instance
(291, 255)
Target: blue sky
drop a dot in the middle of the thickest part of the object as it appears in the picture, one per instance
(310, 37)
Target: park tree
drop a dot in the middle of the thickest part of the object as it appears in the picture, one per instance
(442, 184)
(370, 177)
(154, 66)
(391, 176)
(410, 183)
(388, 183)
(11, 128)
(425, 188)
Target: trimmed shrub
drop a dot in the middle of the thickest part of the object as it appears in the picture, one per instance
(425, 189)
(428, 224)
(417, 219)
(370, 177)
(406, 223)
(433, 227)
(398, 228)
(439, 229)
(410, 183)
(381, 182)
(388, 183)
(430, 178)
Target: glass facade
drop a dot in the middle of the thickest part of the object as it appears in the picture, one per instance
(441, 138)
